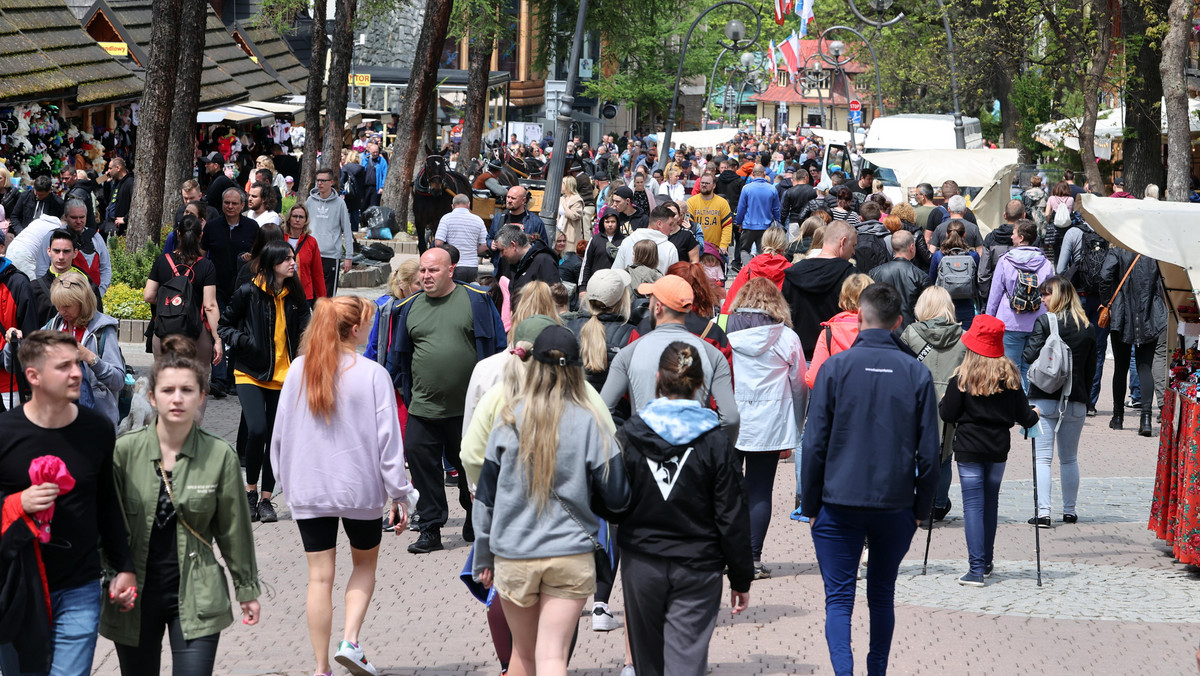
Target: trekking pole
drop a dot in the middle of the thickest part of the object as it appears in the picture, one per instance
(928, 539)
(1037, 531)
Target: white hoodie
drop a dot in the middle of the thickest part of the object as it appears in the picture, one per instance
(668, 255)
(768, 386)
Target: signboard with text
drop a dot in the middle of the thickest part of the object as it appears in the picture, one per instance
(115, 48)
(360, 80)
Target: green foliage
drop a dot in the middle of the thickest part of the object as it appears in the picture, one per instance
(125, 302)
(1031, 96)
(132, 269)
(287, 204)
(989, 124)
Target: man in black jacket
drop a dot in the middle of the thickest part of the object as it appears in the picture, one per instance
(528, 259)
(905, 277)
(218, 182)
(35, 203)
(118, 193)
(872, 481)
(796, 198)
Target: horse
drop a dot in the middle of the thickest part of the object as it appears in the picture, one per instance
(433, 188)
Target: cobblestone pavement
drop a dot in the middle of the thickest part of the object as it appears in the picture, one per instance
(1113, 601)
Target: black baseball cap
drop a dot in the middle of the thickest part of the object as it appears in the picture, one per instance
(560, 339)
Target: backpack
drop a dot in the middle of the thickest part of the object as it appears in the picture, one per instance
(956, 274)
(1062, 215)
(1051, 371)
(1025, 296)
(1093, 249)
(177, 310)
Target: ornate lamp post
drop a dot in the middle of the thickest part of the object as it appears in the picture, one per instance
(735, 32)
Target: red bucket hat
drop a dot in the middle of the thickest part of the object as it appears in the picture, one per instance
(985, 337)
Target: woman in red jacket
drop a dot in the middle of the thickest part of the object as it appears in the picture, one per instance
(308, 256)
(770, 263)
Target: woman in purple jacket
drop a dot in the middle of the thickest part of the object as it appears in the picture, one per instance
(1010, 300)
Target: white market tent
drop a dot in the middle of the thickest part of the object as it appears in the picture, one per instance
(707, 138)
(989, 170)
(1169, 232)
(1110, 124)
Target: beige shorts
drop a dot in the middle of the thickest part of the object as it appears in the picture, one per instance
(521, 581)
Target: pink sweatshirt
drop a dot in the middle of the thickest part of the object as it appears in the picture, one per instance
(349, 466)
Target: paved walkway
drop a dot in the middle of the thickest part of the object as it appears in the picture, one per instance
(1112, 601)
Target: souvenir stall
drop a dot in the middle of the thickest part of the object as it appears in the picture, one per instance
(36, 140)
(1170, 233)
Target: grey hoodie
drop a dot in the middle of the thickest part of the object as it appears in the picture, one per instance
(329, 221)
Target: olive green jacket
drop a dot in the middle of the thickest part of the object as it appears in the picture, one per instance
(210, 496)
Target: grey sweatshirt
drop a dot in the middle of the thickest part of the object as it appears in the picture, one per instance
(588, 471)
(329, 221)
(635, 370)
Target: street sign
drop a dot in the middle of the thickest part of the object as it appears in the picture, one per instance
(855, 106)
(360, 80)
(855, 116)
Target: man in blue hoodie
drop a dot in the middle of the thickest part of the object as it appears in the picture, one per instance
(758, 208)
(874, 480)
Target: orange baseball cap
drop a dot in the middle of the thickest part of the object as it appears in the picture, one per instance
(670, 290)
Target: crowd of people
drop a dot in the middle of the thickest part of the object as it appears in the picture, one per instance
(611, 398)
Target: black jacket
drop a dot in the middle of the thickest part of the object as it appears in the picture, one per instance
(905, 278)
(24, 612)
(995, 245)
(83, 191)
(811, 288)
(704, 523)
(538, 264)
(874, 246)
(220, 183)
(1139, 313)
(638, 219)
(248, 327)
(1082, 341)
(27, 204)
(117, 196)
(598, 257)
(983, 422)
(617, 334)
(355, 173)
(729, 185)
(794, 200)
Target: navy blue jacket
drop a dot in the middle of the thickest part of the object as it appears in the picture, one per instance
(489, 336)
(871, 440)
(533, 225)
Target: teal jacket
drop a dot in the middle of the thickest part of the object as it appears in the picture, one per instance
(210, 496)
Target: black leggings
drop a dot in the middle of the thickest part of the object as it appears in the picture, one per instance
(160, 610)
(259, 405)
(760, 482)
(606, 572)
(1144, 358)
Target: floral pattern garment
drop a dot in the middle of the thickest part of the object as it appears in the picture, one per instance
(1175, 510)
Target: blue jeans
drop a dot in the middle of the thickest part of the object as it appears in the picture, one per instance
(76, 621)
(1067, 439)
(980, 483)
(964, 312)
(838, 536)
(1014, 345)
(1135, 386)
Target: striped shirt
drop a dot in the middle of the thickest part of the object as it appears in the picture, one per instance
(465, 231)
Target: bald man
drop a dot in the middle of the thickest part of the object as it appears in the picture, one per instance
(117, 194)
(438, 335)
(516, 214)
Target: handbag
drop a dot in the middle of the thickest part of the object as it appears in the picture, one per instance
(1103, 319)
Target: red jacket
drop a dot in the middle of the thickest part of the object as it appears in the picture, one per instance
(17, 310)
(308, 264)
(771, 266)
(837, 334)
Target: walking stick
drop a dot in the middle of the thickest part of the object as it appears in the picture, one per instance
(928, 539)
(1037, 531)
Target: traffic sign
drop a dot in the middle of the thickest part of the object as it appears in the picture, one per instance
(855, 106)
(856, 116)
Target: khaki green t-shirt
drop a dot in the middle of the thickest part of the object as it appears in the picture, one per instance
(443, 335)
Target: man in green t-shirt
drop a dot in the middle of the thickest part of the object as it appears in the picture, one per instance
(436, 343)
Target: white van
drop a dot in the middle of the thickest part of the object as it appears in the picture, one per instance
(919, 132)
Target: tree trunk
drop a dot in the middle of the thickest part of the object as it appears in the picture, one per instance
(1179, 149)
(475, 119)
(338, 90)
(414, 106)
(145, 210)
(181, 150)
(1092, 81)
(1143, 95)
(312, 102)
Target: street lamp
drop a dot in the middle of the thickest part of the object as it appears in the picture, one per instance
(812, 80)
(558, 159)
(735, 32)
(837, 48)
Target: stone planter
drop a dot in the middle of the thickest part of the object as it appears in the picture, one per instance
(132, 330)
(365, 277)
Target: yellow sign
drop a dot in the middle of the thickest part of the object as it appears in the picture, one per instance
(115, 48)
(360, 80)
(254, 58)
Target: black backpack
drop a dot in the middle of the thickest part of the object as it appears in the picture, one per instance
(1093, 249)
(1025, 296)
(177, 311)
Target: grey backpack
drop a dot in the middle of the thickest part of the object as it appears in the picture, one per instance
(956, 274)
(1051, 371)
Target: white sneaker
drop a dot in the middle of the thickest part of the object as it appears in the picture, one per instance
(602, 619)
(628, 670)
(351, 657)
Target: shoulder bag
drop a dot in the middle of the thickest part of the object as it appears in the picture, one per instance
(1103, 319)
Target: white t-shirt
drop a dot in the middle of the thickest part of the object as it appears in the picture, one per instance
(264, 218)
(465, 231)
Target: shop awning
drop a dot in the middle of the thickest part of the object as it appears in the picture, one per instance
(707, 138)
(1110, 126)
(235, 115)
(277, 107)
(47, 55)
(273, 55)
(128, 22)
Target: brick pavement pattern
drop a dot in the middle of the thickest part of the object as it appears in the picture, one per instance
(1113, 600)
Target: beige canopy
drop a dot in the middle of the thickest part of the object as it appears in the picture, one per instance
(989, 170)
(1169, 232)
